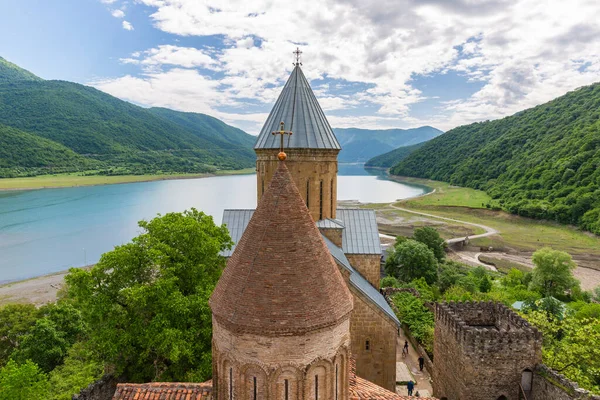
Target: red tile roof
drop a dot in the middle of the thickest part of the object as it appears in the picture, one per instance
(281, 278)
(164, 391)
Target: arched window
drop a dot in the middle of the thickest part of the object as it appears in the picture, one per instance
(503, 397)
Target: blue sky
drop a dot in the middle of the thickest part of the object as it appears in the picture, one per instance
(419, 62)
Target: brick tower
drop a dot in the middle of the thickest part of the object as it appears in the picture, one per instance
(281, 309)
(312, 148)
(482, 351)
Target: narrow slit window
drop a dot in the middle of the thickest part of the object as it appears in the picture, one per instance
(254, 388)
(287, 389)
(367, 345)
(332, 197)
(316, 387)
(336, 382)
(230, 383)
(308, 193)
(263, 186)
(321, 201)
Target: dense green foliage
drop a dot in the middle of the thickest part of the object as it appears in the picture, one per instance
(360, 145)
(391, 158)
(146, 302)
(412, 260)
(141, 313)
(106, 134)
(543, 162)
(24, 153)
(10, 72)
(432, 239)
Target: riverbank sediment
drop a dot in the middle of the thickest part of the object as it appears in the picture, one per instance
(74, 180)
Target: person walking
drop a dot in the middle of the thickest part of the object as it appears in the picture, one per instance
(421, 362)
(410, 386)
(406, 346)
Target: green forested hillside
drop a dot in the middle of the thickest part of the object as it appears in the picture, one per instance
(33, 153)
(393, 157)
(10, 72)
(543, 162)
(116, 136)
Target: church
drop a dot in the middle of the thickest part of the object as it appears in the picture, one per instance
(297, 313)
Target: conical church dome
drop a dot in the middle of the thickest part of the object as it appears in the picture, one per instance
(281, 278)
(298, 109)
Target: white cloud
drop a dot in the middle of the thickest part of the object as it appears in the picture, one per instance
(524, 52)
(108, 1)
(127, 26)
(118, 14)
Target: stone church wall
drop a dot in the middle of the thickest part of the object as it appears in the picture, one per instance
(481, 351)
(309, 168)
(368, 265)
(376, 361)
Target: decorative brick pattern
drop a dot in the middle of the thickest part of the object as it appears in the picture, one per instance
(481, 350)
(281, 278)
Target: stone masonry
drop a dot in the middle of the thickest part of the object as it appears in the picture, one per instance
(314, 172)
(481, 351)
(369, 266)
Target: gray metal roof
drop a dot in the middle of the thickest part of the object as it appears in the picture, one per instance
(301, 113)
(237, 220)
(360, 283)
(330, 223)
(361, 235)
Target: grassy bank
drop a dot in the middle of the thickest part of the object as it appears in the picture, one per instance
(76, 179)
(516, 233)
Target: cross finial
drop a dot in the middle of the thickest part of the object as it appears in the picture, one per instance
(297, 53)
(282, 156)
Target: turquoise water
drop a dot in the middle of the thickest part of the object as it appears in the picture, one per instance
(49, 230)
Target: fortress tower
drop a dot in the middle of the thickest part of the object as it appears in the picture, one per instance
(311, 150)
(281, 309)
(483, 351)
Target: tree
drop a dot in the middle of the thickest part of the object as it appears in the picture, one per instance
(553, 272)
(485, 285)
(432, 239)
(80, 368)
(16, 320)
(570, 346)
(45, 345)
(146, 302)
(413, 260)
(23, 382)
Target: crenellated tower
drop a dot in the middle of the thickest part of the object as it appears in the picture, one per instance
(281, 309)
(483, 350)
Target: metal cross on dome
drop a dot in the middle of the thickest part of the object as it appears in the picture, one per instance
(281, 132)
(297, 53)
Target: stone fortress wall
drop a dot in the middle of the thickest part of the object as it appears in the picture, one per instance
(481, 351)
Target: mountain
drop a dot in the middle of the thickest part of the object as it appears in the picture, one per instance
(115, 135)
(543, 162)
(10, 72)
(391, 158)
(360, 145)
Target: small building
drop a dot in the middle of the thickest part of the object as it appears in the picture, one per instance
(483, 351)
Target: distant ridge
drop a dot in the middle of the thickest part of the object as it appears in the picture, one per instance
(113, 136)
(543, 162)
(360, 145)
(391, 158)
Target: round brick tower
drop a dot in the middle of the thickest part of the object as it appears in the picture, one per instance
(311, 149)
(281, 309)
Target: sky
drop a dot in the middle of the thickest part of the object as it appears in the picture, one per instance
(372, 64)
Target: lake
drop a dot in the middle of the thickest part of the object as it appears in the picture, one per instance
(50, 230)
